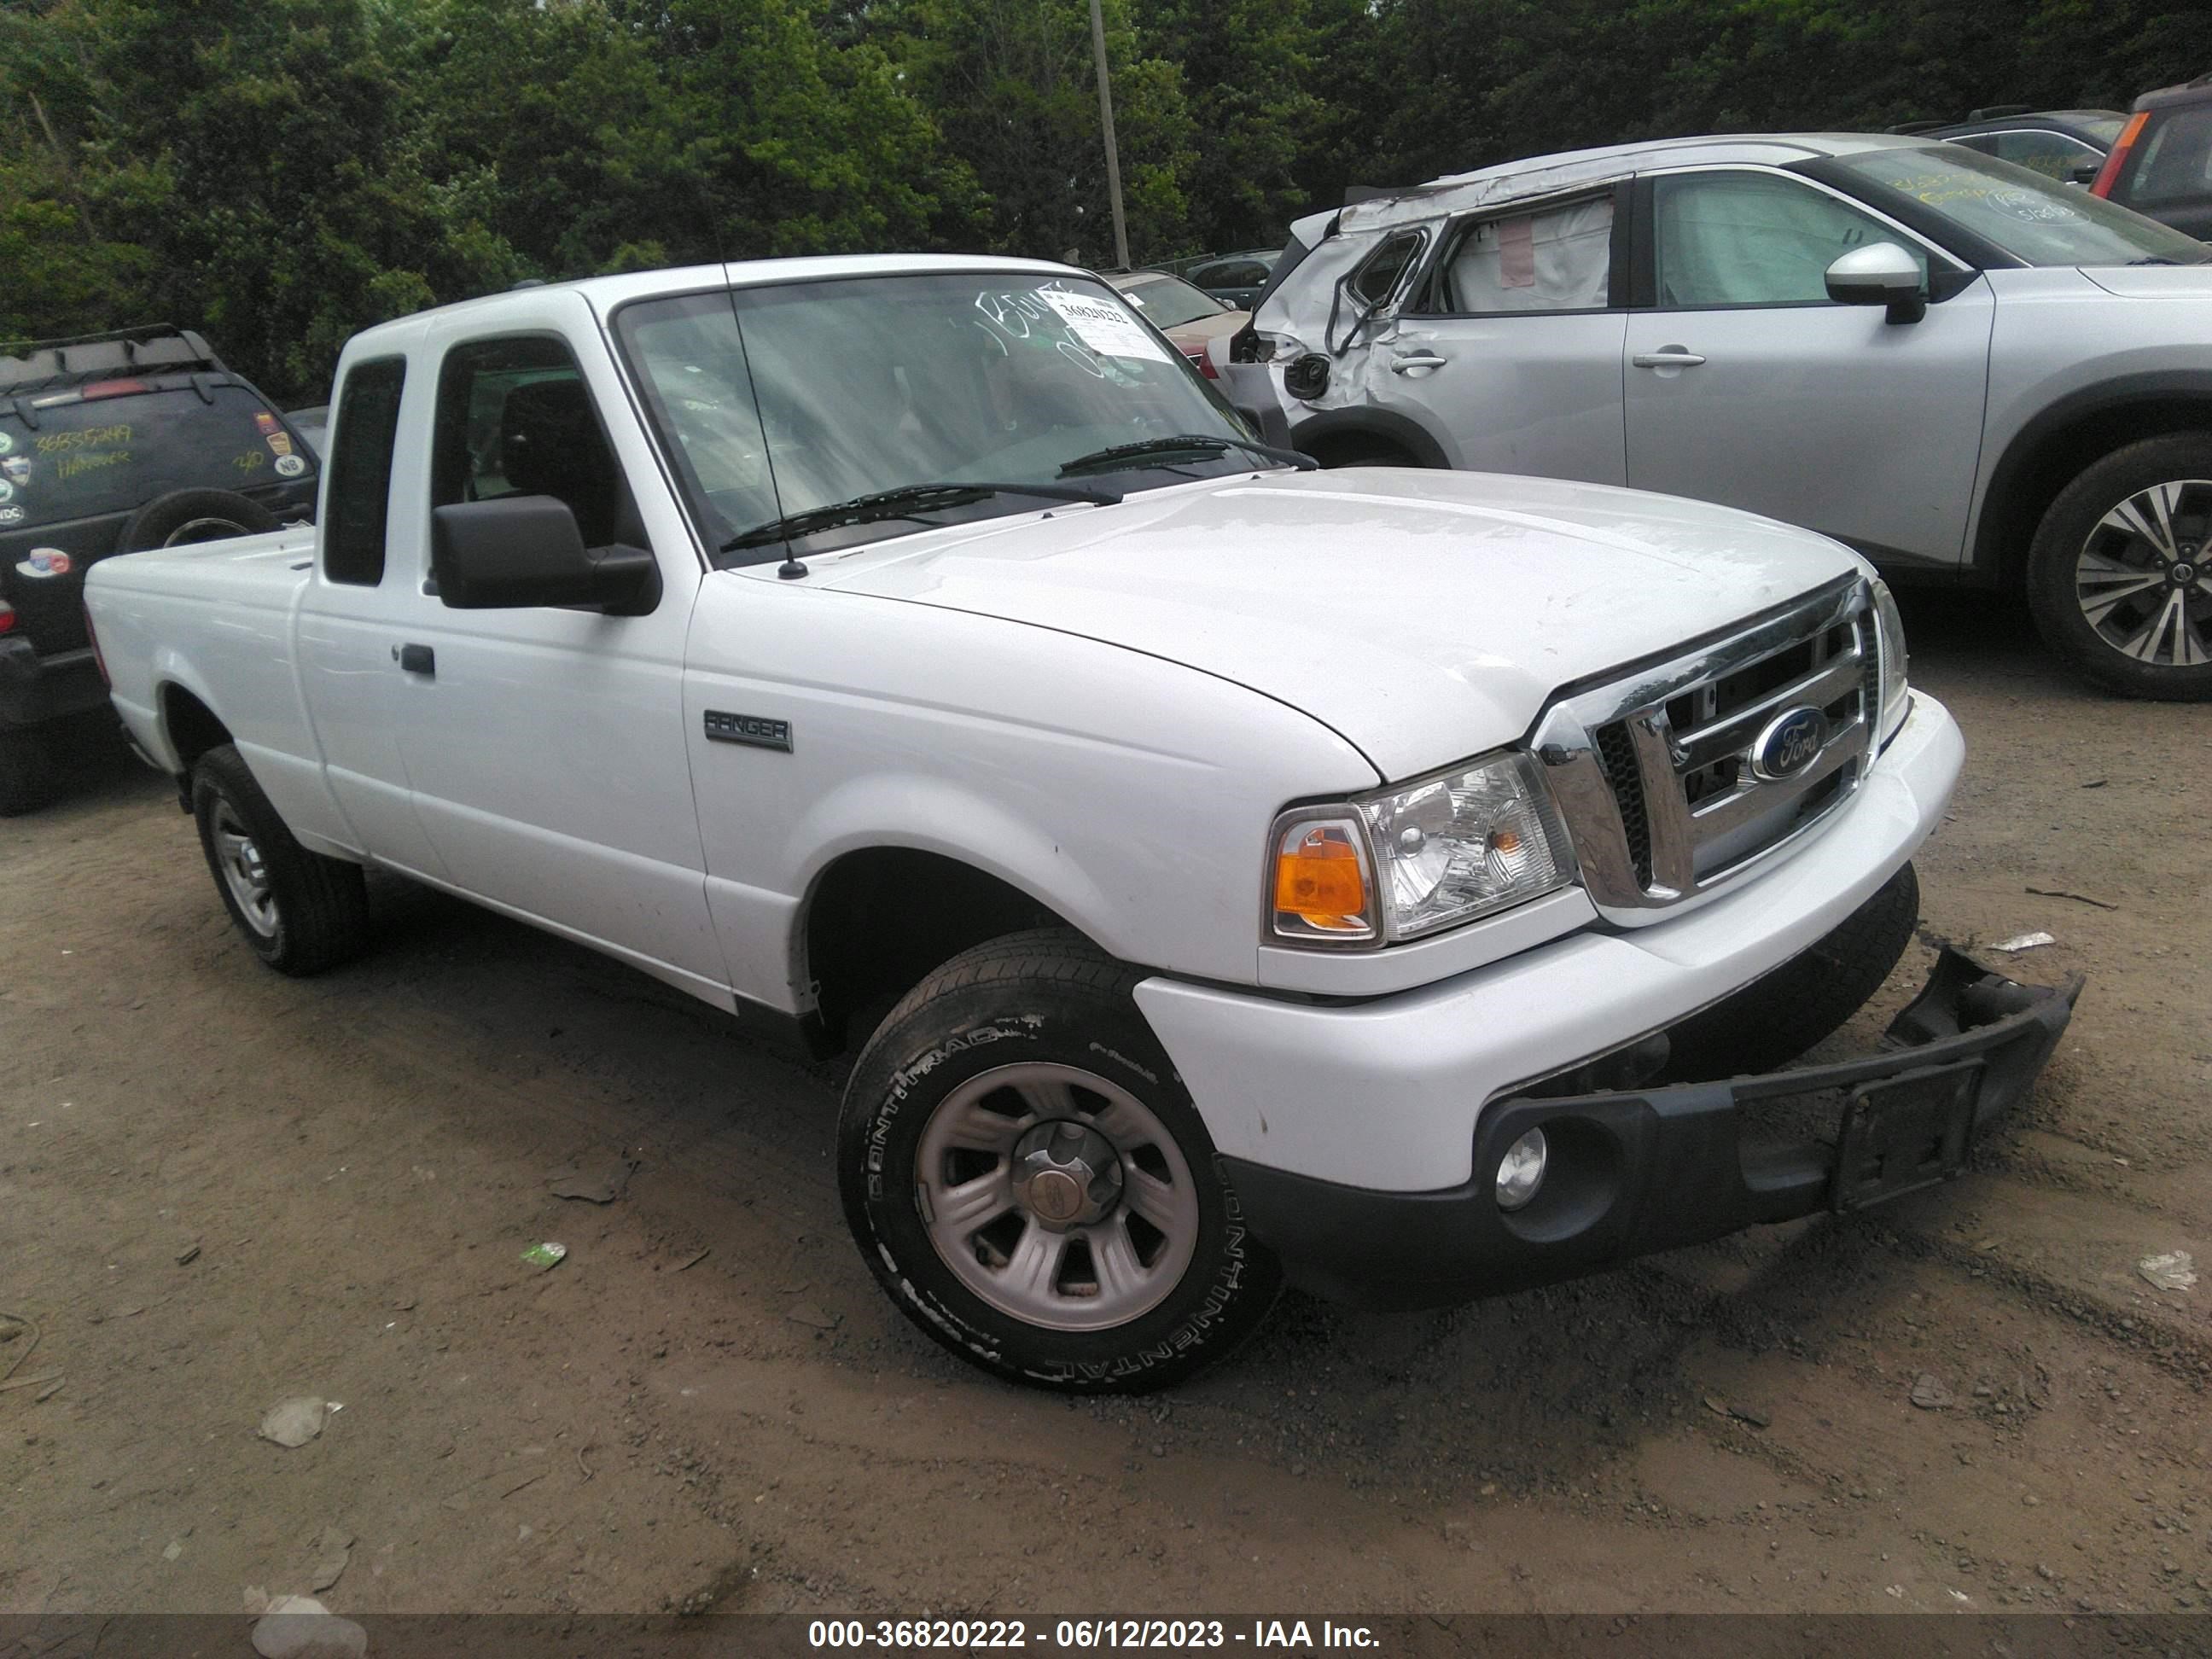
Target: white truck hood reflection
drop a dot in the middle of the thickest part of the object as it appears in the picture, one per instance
(1424, 615)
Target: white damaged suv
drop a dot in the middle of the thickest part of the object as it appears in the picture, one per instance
(1970, 372)
(1221, 868)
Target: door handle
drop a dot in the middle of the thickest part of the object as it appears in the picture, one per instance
(416, 659)
(1666, 357)
(1406, 365)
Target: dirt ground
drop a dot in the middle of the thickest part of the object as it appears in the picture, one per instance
(359, 1161)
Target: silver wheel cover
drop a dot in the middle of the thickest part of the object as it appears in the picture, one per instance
(243, 871)
(1089, 1276)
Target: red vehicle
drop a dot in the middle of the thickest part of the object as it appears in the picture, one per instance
(1197, 324)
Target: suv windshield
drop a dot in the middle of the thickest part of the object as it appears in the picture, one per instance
(2034, 218)
(836, 390)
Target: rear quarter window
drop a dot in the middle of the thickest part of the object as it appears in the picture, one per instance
(85, 458)
(361, 471)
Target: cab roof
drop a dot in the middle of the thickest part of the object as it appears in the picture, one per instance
(603, 293)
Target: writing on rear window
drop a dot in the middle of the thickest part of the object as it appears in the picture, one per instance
(92, 437)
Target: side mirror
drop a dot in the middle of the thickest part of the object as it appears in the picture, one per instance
(2084, 175)
(522, 550)
(1879, 274)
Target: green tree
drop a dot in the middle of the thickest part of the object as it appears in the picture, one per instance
(1250, 84)
(1015, 94)
(283, 173)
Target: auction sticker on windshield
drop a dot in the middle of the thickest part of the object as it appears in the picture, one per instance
(1103, 325)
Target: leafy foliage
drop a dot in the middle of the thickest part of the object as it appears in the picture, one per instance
(282, 173)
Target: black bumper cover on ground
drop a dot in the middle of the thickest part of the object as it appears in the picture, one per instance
(1634, 1171)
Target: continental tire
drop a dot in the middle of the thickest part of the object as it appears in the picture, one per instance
(1027, 1178)
(2118, 576)
(299, 911)
(183, 516)
(1776, 1018)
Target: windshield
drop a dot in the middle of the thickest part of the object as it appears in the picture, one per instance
(1171, 302)
(837, 389)
(2032, 217)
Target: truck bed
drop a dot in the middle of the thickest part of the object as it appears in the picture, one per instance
(215, 609)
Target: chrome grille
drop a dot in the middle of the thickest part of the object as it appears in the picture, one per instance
(1659, 775)
(1617, 755)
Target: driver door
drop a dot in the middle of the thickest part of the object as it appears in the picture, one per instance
(1745, 385)
(544, 745)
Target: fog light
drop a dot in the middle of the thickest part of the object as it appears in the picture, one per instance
(1521, 1172)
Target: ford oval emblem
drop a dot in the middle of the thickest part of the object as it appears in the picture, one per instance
(1791, 742)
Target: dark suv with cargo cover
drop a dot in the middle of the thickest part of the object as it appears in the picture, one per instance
(110, 443)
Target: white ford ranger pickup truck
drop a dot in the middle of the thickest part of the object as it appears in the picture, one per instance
(1405, 882)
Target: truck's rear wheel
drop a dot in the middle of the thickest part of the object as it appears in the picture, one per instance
(301, 912)
(2120, 575)
(1027, 1179)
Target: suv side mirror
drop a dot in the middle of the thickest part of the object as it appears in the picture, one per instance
(2084, 175)
(1879, 274)
(523, 550)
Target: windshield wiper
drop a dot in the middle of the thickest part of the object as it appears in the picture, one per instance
(1121, 456)
(902, 503)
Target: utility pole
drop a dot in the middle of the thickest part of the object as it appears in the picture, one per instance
(1113, 154)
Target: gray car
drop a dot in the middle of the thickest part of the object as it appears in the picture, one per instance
(1969, 372)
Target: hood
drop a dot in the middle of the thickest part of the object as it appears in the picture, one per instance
(2192, 282)
(1426, 616)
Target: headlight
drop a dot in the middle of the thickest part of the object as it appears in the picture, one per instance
(1889, 637)
(1409, 861)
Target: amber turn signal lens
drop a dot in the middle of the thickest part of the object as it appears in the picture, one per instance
(1319, 880)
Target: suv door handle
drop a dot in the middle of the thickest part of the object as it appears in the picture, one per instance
(416, 659)
(1406, 365)
(1666, 357)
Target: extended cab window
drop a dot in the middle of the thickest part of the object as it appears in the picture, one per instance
(514, 418)
(361, 471)
(1557, 257)
(1753, 239)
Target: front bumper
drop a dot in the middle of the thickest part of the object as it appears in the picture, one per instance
(1634, 1171)
(1387, 1092)
(34, 690)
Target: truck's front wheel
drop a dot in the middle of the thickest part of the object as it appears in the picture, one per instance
(299, 911)
(1027, 1179)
